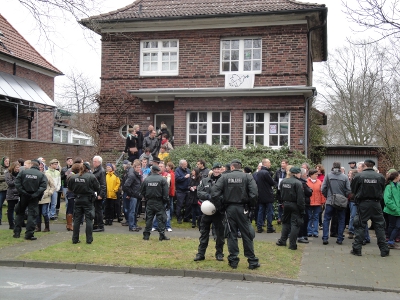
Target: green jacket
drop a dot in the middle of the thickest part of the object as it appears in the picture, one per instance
(292, 191)
(392, 199)
(236, 187)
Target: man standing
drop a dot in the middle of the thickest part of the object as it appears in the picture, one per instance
(201, 164)
(155, 190)
(265, 183)
(100, 175)
(352, 164)
(84, 185)
(368, 188)
(149, 130)
(131, 188)
(182, 179)
(239, 192)
(204, 193)
(334, 183)
(64, 178)
(30, 184)
(56, 176)
(292, 196)
(151, 142)
(280, 174)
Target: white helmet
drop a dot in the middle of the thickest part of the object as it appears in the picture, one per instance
(208, 208)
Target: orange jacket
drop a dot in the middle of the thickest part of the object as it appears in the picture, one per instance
(316, 198)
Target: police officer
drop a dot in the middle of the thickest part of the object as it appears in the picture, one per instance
(239, 191)
(155, 190)
(368, 188)
(204, 193)
(292, 195)
(30, 184)
(84, 185)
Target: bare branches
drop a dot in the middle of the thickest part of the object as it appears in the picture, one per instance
(381, 16)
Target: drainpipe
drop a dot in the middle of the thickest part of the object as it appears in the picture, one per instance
(306, 134)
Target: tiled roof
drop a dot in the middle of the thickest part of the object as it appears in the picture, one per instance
(14, 44)
(145, 9)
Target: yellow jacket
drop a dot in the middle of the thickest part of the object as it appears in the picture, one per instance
(163, 156)
(113, 184)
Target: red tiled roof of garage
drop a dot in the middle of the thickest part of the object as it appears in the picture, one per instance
(144, 9)
(20, 48)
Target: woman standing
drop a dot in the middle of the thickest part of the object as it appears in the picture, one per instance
(4, 165)
(195, 179)
(45, 202)
(12, 196)
(132, 144)
(316, 202)
(392, 207)
(113, 184)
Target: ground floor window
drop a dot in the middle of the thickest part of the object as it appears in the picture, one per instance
(209, 128)
(60, 136)
(267, 128)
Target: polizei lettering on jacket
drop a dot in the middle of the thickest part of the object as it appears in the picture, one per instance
(31, 176)
(152, 184)
(235, 180)
(286, 185)
(80, 180)
(366, 180)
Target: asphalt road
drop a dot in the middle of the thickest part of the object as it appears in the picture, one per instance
(26, 283)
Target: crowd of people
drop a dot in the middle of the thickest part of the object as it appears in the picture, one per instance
(306, 199)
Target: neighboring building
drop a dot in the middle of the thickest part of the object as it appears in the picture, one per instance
(26, 88)
(65, 131)
(217, 72)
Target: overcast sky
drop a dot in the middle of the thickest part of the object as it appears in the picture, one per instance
(73, 51)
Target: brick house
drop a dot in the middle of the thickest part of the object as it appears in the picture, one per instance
(225, 72)
(26, 88)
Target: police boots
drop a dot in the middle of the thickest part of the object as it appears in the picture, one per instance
(146, 236)
(163, 237)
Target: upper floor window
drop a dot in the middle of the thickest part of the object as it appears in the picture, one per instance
(159, 57)
(209, 128)
(241, 55)
(267, 129)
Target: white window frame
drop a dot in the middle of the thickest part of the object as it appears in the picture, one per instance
(124, 133)
(208, 125)
(266, 125)
(159, 50)
(61, 135)
(241, 55)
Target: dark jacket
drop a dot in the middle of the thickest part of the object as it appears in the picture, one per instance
(100, 175)
(279, 174)
(132, 182)
(265, 183)
(182, 183)
(153, 144)
(204, 172)
(131, 141)
(12, 192)
(193, 198)
(368, 185)
(85, 184)
(31, 182)
(155, 187)
(307, 191)
(292, 191)
(236, 187)
(64, 176)
(204, 190)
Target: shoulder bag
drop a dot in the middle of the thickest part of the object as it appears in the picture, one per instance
(338, 201)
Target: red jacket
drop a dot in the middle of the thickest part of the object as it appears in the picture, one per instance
(316, 198)
(172, 185)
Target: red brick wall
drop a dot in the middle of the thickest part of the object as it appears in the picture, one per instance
(45, 119)
(29, 149)
(284, 63)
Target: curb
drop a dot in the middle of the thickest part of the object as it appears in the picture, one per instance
(184, 273)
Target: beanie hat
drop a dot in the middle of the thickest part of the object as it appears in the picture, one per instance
(110, 165)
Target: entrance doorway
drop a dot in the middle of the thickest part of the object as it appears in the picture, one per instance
(167, 119)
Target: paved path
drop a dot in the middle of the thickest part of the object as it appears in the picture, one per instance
(330, 265)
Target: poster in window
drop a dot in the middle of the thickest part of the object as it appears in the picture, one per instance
(273, 129)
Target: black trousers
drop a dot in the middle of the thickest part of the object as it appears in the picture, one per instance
(109, 206)
(155, 208)
(33, 209)
(83, 207)
(205, 225)
(291, 223)
(98, 213)
(182, 200)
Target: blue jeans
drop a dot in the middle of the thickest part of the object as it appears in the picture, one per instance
(171, 211)
(394, 227)
(130, 211)
(265, 210)
(53, 205)
(329, 210)
(43, 211)
(313, 219)
(65, 196)
(2, 199)
(353, 212)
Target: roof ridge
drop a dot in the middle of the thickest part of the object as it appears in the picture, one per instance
(110, 13)
(31, 47)
(305, 3)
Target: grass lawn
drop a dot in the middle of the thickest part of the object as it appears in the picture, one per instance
(178, 253)
(6, 237)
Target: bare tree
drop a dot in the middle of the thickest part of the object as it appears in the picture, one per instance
(382, 16)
